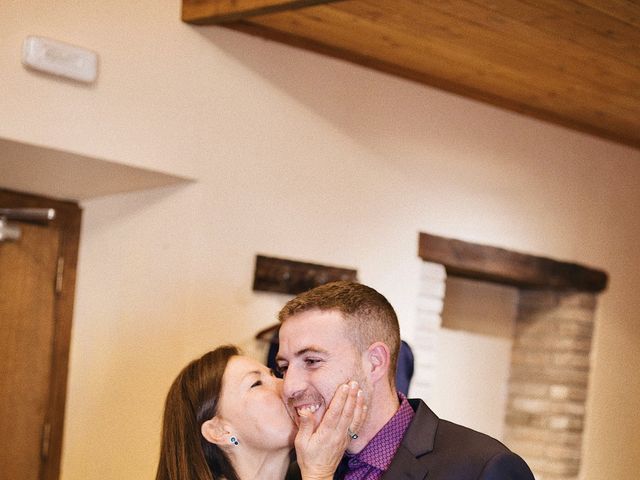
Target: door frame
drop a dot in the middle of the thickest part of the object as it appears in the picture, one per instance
(67, 222)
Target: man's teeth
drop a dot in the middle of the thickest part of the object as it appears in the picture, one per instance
(308, 409)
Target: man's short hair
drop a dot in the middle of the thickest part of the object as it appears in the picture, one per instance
(368, 315)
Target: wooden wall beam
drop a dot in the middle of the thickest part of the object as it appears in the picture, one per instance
(207, 12)
(485, 263)
(292, 277)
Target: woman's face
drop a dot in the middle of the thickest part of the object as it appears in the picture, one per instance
(251, 405)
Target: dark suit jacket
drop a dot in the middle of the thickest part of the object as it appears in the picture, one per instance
(434, 449)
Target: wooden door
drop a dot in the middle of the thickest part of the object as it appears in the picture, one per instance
(37, 278)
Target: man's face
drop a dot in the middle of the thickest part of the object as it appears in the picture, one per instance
(316, 356)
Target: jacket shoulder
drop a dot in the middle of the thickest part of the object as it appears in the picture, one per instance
(456, 451)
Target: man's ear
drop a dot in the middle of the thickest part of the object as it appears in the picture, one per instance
(379, 359)
(215, 431)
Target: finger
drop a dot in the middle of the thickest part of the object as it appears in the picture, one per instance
(334, 412)
(305, 428)
(349, 407)
(359, 415)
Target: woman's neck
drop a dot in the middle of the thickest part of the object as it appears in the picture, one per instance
(261, 465)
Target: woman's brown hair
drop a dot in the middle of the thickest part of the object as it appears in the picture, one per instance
(192, 400)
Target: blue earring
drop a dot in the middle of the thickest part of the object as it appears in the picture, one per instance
(234, 440)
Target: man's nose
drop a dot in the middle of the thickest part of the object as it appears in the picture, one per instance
(294, 384)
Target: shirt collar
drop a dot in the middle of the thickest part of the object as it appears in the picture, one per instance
(379, 452)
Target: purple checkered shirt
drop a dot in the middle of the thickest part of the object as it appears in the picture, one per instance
(376, 456)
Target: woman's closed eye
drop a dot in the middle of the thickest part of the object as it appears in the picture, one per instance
(257, 383)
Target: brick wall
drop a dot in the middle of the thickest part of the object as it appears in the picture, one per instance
(549, 377)
(549, 381)
(428, 323)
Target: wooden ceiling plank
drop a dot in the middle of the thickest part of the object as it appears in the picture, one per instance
(208, 12)
(627, 11)
(472, 44)
(612, 89)
(555, 47)
(305, 42)
(373, 40)
(586, 26)
(268, 32)
(329, 23)
(280, 32)
(462, 25)
(574, 62)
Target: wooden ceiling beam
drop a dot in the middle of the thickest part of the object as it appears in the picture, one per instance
(462, 59)
(573, 22)
(575, 63)
(603, 128)
(210, 12)
(550, 38)
(624, 10)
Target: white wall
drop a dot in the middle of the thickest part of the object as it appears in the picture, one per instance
(474, 354)
(305, 157)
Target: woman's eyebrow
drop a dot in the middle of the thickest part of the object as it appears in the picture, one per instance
(252, 372)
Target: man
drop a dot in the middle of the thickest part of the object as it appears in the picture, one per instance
(345, 331)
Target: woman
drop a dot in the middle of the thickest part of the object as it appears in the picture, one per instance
(224, 419)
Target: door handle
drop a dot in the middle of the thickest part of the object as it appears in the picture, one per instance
(35, 215)
(9, 231)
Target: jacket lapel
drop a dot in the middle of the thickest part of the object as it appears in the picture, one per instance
(406, 466)
(411, 459)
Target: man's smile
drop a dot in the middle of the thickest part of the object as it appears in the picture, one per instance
(309, 408)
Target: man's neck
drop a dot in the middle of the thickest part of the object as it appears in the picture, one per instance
(382, 407)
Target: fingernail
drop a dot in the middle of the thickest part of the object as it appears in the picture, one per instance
(353, 384)
(359, 393)
(344, 387)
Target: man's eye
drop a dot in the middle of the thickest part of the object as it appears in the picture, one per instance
(280, 370)
(257, 383)
(311, 362)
